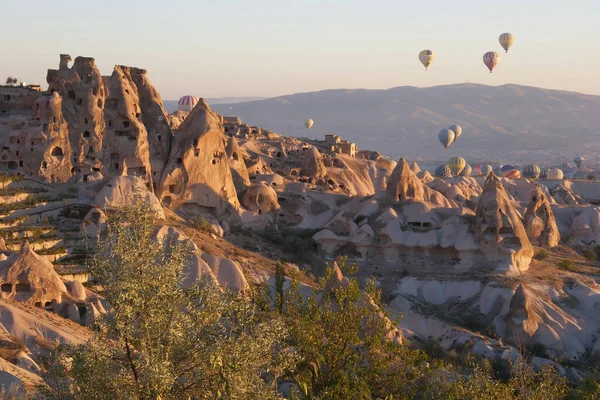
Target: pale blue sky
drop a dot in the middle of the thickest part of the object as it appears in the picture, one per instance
(217, 48)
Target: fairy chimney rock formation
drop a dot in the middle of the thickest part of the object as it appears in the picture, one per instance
(82, 90)
(260, 198)
(197, 178)
(404, 185)
(26, 276)
(521, 322)
(502, 236)
(239, 172)
(539, 220)
(312, 163)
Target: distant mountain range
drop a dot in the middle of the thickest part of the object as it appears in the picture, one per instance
(171, 105)
(509, 122)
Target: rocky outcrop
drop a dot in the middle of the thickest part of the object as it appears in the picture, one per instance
(197, 177)
(261, 198)
(414, 167)
(585, 228)
(539, 220)
(563, 195)
(123, 191)
(34, 135)
(26, 276)
(155, 119)
(312, 163)
(125, 137)
(94, 222)
(239, 172)
(521, 322)
(83, 95)
(195, 269)
(228, 272)
(404, 185)
(499, 229)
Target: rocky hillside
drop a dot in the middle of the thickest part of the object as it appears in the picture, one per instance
(526, 121)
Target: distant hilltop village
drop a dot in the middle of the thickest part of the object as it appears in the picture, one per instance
(233, 126)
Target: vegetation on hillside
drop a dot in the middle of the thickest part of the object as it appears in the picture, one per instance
(162, 340)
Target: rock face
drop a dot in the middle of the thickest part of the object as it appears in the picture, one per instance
(521, 322)
(563, 195)
(261, 198)
(86, 125)
(26, 276)
(404, 185)
(124, 191)
(83, 98)
(125, 137)
(34, 134)
(197, 177)
(586, 227)
(239, 172)
(499, 230)
(539, 220)
(312, 163)
(195, 268)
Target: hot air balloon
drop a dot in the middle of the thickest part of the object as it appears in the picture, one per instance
(446, 136)
(456, 164)
(506, 40)
(579, 161)
(506, 167)
(486, 170)
(531, 171)
(457, 131)
(426, 57)
(512, 174)
(466, 171)
(443, 171)
(554, 173)
(491, 59)
(309, 123)
(187, 103)
(543, 173)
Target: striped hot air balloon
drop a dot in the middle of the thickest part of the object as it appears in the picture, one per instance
(456, 164)
(531, 171)
(512, 174)
(579, 161)
(506, 167)
(466, 171)
(187, 103)
(491, 59)
(506, 40)
(486, 170)
(443, 172)
(426, 57)
(543, 173)
(554, 173)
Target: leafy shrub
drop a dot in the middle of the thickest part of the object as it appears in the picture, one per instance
(539, 350)
(590, 255)
(203, 225)
(541, 255)
(567, 265)
(163, 339)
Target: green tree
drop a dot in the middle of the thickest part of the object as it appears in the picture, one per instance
(341, 339)
(159, 339)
